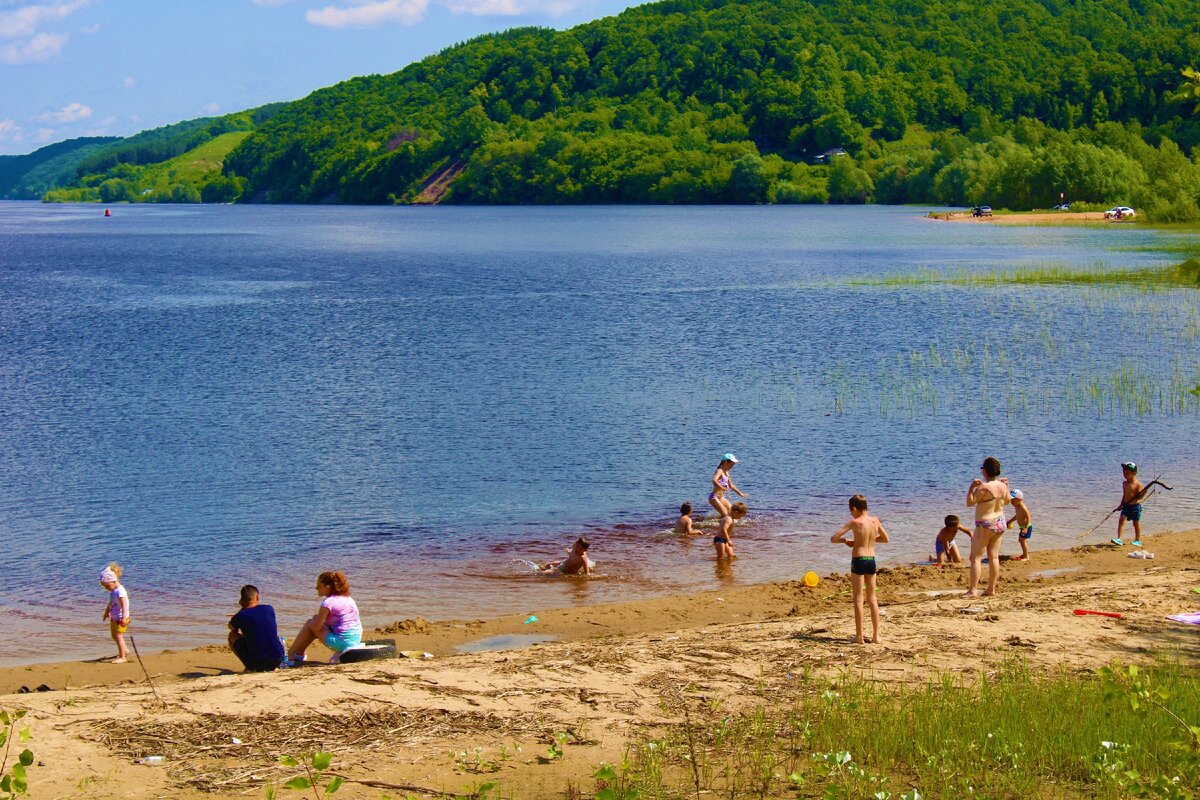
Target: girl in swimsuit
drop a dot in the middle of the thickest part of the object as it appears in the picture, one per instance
(722, 483)
(988, 499)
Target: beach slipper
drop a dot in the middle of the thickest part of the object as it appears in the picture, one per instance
(1117, 542)
(1141, 554)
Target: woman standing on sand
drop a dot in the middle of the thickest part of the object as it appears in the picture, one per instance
(988, 497)
(722, 483)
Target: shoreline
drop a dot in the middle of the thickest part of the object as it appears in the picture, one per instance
(1027, 218)
(443, 727)
(581, 623)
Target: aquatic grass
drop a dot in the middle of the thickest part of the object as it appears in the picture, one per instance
(1015, 734)
(1186, 273)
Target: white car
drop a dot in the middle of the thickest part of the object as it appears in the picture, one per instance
(1120, 212)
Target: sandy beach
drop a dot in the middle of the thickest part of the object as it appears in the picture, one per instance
(1033, 218)
(609, 675)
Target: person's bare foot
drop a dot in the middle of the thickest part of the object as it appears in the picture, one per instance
(988, 593)
(1018, 558)
(970, 593)
(876, 640)
(117, 661)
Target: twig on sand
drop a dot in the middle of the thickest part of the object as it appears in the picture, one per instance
(146, 672)
(400, 787)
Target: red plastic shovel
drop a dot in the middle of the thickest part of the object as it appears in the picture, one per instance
(1079, 612)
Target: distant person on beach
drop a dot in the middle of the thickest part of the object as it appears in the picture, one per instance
(1024, 522)
(867, 530)
(988, 498)
(944, 546)
(721, 483)
(576, 562)
(117, 610)
(683, 525)
(253, 634)
(336, 624)
(723, 541)
(1132, 493)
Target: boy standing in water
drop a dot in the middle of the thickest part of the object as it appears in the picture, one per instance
(723, 541)
(1024, 522)
(1131, 504)
(867, 530)
(683, 525)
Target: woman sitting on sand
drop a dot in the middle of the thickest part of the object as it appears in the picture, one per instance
(336, 624)
(988, 498)
(722, 483)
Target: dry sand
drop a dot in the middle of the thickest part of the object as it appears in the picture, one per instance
(614, 674)
(1035, 218)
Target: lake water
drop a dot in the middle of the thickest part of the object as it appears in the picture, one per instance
(418, 396)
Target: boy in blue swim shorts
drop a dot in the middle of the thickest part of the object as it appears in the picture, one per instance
(944, 546)
(1131, 504)
(1023, 521)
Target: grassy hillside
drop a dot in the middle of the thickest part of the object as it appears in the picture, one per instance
(180, 163)
(733, 100)
(30, 176)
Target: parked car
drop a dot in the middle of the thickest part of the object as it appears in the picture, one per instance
(981, 211)
(1120, 212)
(1062, 207)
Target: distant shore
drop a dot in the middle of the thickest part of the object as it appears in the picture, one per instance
(1027, 218)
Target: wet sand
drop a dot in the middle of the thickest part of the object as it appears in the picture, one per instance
(611, 674)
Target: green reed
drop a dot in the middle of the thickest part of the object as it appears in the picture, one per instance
(1015, 735)
(1096, 274)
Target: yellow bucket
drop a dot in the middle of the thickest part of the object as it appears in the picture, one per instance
(811, 579)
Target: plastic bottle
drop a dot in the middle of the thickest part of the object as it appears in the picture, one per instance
(152, 761)
(286, 662)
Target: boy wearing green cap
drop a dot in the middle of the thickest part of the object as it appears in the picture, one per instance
(1131, 504)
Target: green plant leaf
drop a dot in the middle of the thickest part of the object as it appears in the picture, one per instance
(24, 734)
(321, 761)
(26, 757)
(299, 782)
(6, 784)
(335, 783)
(288, 761)
(5, 719)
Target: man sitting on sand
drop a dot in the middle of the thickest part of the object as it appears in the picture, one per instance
(253, 635)
(576, 562)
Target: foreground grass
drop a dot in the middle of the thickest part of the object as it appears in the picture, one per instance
(1016, 735)
(1186, 273)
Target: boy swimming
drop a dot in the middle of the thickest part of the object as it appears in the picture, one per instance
(723, 541)
(576, 562)
(867, 530)
(683, 525)
(944, 546)
(1132, 493)
(1024, 522)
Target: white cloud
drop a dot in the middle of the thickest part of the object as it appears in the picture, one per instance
(71, 113)
(368, 13)
(509, 8)
(42, 47)
(211, 108)
(101, 128)
(10, 131)
(25, 21)
(128, 83)
(45, 134)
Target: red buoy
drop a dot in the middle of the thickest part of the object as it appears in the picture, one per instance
(107, 213)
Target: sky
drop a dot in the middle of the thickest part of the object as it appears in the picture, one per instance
(73, 68)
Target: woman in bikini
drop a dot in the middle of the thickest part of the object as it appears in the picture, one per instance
(988, 497)
(722, 483)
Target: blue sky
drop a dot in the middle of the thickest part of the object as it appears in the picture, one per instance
(114, 67)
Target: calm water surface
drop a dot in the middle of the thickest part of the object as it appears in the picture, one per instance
(418, 396)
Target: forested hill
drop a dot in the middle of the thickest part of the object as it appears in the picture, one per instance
(733, 100)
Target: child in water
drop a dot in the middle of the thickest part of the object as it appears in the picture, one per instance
(1023, 521)
(1131, 504)
(944, 546)
(683, 525)
(117, 610)
(723, 541)
(867, 530)
(576, 562)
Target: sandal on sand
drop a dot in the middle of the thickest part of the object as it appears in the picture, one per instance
(1117, 542)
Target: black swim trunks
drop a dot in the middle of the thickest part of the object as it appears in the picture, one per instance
(720, 540)
(862, 565)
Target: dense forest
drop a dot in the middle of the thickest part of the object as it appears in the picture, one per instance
(30, 176)
(714, 101)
